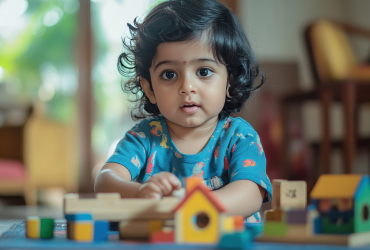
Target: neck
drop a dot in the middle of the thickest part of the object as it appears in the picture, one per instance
(192, 133)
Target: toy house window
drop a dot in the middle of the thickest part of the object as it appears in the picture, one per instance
(201, 220)
(365, 212)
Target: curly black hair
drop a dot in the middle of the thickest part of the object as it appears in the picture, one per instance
(186, 20)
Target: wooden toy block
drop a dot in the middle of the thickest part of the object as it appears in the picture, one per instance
(109, 206)
(275, 228)
(39, 228)
(239, 223)
(134, 229)
(296, 216)
(293, 194)
(78, 217)
(237, 240)
(162, 237)
(274, 215)
(101, 229)
(228, 224)
(80, 230)
(33, 227)
(155, 225)
(46, 228)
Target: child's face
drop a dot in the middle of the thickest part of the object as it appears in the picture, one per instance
(183, 74)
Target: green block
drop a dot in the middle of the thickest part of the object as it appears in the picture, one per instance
(344, 228)
(46, 228)
(275, 228)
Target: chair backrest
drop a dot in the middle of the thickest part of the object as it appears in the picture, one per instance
(331, 55)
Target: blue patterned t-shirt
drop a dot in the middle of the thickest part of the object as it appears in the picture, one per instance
(234, 152)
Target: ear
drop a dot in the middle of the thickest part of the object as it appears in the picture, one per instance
(229, 81)
(145, 85)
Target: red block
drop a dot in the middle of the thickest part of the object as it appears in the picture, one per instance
(161, 237)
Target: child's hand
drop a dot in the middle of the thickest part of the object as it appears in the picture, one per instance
(159, 185)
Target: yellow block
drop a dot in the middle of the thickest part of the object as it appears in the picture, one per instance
(228, 224)
(83, 231)
(155, 225)
(33, 227)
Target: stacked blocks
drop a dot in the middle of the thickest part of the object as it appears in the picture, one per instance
(289, 215)
(81, 227)
(39, 228)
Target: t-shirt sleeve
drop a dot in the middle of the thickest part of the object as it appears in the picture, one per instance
(131, 150)
(248, 162)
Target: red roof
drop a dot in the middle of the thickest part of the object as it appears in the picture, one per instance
(211, 197)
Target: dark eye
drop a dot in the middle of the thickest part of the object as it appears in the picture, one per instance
(168, 75)
(204, 72)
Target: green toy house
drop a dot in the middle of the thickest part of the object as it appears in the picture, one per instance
(343, 203)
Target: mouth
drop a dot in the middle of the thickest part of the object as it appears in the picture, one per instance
(190, 104)
(190, 107)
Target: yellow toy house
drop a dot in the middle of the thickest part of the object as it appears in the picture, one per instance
(198, 216)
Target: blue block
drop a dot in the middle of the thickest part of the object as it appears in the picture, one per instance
(76, 217)
(238, 240)
(101, 229)
(317, 226)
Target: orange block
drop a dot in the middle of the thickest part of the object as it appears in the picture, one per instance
(239, 223)
(162, 236)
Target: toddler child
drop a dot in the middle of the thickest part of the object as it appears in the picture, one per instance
(191, 67)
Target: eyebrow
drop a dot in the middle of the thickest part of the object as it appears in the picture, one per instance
(191, 62)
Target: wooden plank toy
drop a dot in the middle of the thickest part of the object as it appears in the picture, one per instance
(110, 207)
(39, 227)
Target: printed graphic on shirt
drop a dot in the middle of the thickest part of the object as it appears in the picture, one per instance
(136, 161)
(164, 141)
(149, 169)
(216, 152)
(141, 134)
(259, 145)
(156, 128)
(216, 182)
(226, 163)
(197, 170)
(233, 149)
(249, 162)
(254, 218)
(240, 135)
(227, 124)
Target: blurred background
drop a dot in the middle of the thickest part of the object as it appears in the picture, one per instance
(62, 109)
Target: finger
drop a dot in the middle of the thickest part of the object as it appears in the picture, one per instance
(155, 196)
(165, 186)
(175, 182)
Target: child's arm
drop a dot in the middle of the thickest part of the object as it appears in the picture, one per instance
(242, 197)
(114, 177)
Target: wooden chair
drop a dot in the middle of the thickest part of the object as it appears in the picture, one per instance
(13, 170)
(38, 154)
(338, 77)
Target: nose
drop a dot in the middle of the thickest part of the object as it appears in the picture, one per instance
(187, 86)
